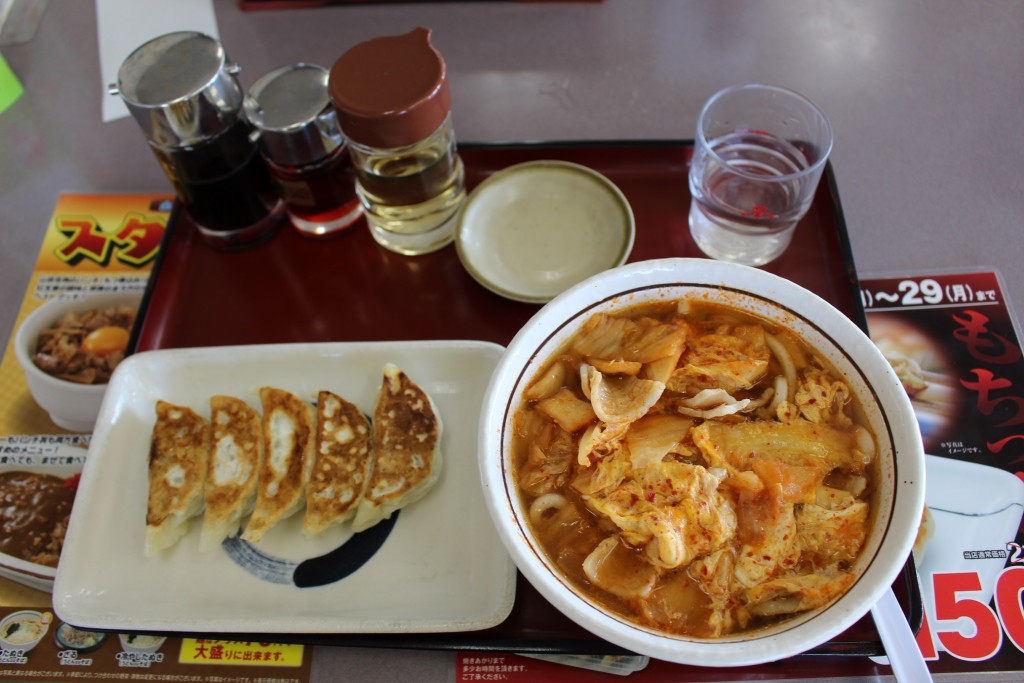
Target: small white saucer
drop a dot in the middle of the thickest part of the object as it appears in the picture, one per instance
(531, 231)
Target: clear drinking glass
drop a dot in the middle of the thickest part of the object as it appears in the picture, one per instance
(758, 155)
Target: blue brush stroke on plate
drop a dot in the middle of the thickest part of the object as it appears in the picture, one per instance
(345, 559)
(332, 567)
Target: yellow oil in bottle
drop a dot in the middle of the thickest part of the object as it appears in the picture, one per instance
(411, 195)
(393, 102)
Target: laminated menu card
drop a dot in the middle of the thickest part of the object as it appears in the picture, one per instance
(953, 340)
(95, 244)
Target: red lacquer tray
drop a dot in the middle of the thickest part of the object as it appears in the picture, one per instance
(297, 289)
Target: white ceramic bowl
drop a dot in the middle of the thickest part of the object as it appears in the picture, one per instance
(72, 406)
(40, 621)
(140, 644)
(67, 637)
(900, 497)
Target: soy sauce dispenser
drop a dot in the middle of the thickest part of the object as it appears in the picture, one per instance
(185, 96)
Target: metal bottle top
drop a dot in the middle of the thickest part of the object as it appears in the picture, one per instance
(291, 109)
(391, 91)
(180, 88)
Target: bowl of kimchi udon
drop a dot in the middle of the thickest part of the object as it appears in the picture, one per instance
(701, 462)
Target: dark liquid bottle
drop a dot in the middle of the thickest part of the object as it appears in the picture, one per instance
(303, 148)
(320, 198)
(222, 181)
(183, 93)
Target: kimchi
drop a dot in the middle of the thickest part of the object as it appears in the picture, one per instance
(695, 469)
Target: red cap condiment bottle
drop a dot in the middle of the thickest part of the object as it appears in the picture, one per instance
(394, 106)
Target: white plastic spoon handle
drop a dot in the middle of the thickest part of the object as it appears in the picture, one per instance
(908, 665)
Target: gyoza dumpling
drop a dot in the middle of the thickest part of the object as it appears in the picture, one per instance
(178, 455)
(236, 451)
(406, 447)
(288, 428)
(341, 463)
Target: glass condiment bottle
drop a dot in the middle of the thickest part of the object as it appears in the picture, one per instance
(185, 96)
(394, 106)
(304, 149)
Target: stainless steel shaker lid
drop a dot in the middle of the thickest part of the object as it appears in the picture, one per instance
(180, 88)
(291, 109)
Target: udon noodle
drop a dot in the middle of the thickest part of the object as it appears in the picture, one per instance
(695, 469)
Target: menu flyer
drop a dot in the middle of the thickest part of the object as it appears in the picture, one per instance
(953, 340)
(93, 244)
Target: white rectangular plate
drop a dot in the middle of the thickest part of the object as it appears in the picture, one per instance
(442, 568)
